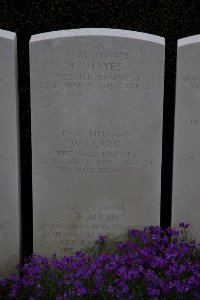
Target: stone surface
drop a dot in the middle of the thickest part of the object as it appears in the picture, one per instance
(96, 101)
(186, 175)
(9, 155)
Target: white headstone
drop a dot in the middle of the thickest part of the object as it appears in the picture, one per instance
(186, 175)
(96, 100)
(9, 155)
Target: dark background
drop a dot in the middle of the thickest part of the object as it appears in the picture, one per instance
(167, 18)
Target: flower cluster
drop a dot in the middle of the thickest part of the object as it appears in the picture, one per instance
(148, 264)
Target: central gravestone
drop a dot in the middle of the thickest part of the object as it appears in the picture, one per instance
(96, 100)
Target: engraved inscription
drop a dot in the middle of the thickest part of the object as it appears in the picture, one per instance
(85, 223)
(96, 152)
(102, 70)
(192, 82)
(195, 122)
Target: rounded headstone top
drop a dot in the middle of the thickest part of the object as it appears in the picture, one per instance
(7, 34)
(189, 40)
(98, 32)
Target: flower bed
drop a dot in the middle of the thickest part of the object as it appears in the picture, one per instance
(147, 264)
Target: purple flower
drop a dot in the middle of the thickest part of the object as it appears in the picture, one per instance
(3, 282)
(102, 239)
(153, 292)
(184, 225)
(81, 290)
(13, 290)
(111, 289)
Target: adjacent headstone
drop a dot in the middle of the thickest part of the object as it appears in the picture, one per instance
(9, 155)
(186, 175)
(96, 101)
